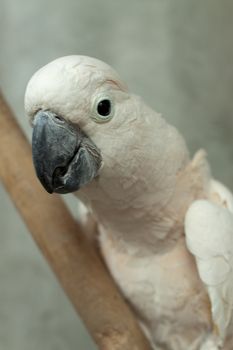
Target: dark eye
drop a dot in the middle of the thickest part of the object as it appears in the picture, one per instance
(104, 108)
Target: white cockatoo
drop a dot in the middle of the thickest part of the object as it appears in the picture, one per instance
(165, 225)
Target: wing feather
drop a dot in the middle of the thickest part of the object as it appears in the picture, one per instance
(209, 237)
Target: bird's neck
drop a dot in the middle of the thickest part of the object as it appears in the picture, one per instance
(143, 224)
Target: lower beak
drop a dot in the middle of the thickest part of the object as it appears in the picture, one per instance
(65, 159)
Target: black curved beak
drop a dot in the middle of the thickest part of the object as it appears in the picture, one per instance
(65, 159)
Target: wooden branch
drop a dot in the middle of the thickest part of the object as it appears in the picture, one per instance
(74, 261)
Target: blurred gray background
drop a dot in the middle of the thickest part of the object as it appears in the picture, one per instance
(178, 55)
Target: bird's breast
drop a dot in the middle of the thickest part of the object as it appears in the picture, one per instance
(164, 290)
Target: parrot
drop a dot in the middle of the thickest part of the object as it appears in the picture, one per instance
(165, 224)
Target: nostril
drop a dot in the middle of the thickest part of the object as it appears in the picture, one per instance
(60, 171)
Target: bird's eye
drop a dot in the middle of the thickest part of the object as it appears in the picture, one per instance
(103, 109)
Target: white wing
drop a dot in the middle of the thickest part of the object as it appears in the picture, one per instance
(209, 236)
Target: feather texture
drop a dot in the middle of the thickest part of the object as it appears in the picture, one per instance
(209, 236)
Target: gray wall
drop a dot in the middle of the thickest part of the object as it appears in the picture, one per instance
(177, 54)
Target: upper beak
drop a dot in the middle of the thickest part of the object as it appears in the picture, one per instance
(64, 157)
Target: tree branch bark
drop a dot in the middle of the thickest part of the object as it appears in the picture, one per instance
(72, 258)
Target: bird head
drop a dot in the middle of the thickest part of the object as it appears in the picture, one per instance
(78, 107)
(88, 130)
